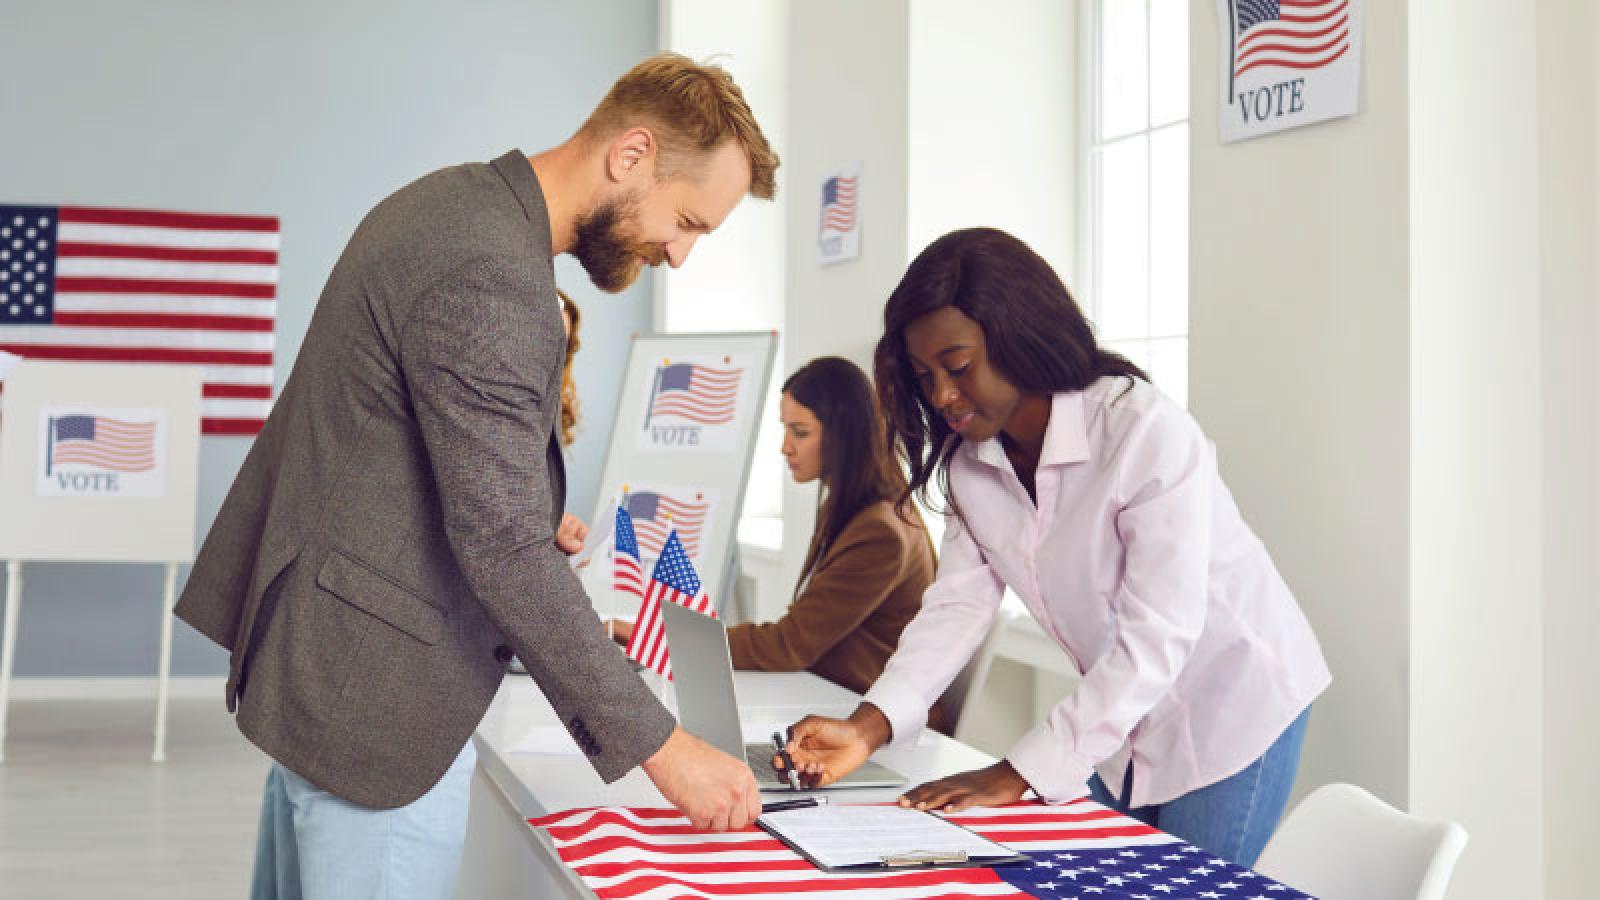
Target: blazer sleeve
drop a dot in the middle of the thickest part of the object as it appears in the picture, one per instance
(478, 356)
(852, 580)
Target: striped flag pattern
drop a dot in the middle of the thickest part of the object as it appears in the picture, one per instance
(654, 515)
(627, 571)
(1290, 34)
(109, 444)
(142, 286)
(1079, 849)
(703, 395)
(839, 204)
(673, 581)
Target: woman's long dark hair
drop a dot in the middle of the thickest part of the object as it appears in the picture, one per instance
(857, 468)
(1037, 338)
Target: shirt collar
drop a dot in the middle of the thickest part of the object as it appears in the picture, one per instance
(518, 174)
(1066, 437)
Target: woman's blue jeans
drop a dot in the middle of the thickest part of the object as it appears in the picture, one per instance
(1234, 817)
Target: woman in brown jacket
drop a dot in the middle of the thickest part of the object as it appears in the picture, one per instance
(867, 564)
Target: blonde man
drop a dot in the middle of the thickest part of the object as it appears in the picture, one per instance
(392, 539)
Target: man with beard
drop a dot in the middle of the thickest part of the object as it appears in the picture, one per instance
(391, 540)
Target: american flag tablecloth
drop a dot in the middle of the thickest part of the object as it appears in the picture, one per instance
(1079, 850)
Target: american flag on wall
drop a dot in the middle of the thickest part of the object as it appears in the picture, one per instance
(1077, 850)
(654, 515)
(627, 571)
(142, 286)
(1290, 34)
(704, 395)
(109, 444)
(839, 203)
(673, 581)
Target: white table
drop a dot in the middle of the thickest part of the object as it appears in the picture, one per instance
(505, 857)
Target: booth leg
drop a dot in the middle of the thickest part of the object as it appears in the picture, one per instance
(8, 648)
(169, 599)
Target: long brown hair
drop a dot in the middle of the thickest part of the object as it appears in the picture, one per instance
(569, 387)
(1037, 338)
(857, 468)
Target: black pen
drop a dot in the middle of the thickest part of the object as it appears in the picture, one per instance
(789, 772)
(802, 803)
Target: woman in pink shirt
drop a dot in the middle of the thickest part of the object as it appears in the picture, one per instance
(1070, 479)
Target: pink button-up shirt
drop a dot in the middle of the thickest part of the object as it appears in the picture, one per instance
(1194, 655)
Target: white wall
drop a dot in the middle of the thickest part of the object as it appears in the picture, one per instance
(848, 99)
(988, 140)
(1299, 334)
(1569, 196)
(312, 111)
(993, 123)
(737, 280)
(1476, 633)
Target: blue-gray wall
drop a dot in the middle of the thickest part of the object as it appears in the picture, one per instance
(312, 111)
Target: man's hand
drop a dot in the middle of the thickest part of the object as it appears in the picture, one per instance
(825, 750)
(996, 785)
(716, 791)
(571, 535)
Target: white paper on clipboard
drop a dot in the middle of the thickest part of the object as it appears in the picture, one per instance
(844, 836)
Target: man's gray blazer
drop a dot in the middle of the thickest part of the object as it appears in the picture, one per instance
(388, 542)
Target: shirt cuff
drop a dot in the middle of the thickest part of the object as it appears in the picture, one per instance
(902, 705)
(1054, 774)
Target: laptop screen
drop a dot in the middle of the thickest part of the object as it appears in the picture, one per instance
(702, 672)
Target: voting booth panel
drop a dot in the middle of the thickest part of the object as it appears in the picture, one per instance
(114, 479)
(97, 464)
(680, 453)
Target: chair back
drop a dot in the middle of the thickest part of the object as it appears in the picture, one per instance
(1342, 843)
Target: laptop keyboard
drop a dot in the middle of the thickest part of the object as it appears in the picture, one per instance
(759, 756)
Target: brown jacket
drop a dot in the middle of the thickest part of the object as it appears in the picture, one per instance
(845, 622)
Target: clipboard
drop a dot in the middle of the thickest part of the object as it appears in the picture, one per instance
(945, 844)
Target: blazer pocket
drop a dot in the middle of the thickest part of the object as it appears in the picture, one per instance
(366, 590)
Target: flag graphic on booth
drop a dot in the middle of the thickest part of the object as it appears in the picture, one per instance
(673, 581)
(1290, 34)
(839, 203)
(654, 515)
(694, 392)
(142, 286)
(109, 444)
(627, 570)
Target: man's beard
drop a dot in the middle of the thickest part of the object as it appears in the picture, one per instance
(605, 251)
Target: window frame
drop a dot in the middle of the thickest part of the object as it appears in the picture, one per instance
(1089, 277)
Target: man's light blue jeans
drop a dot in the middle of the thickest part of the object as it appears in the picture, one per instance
(1232, 818)
(315, 846)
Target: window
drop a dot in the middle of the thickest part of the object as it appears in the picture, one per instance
(1135, 221)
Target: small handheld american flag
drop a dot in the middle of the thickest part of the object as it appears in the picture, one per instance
(674, 581)
(627, 571)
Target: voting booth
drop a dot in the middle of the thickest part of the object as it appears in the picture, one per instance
(680, 453)
(97, 464)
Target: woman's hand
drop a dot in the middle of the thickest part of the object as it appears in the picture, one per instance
(621, 630)
(825, 750)
(997, 785)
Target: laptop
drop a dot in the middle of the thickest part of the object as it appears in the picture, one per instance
(708, 707)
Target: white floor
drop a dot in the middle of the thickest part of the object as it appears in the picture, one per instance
(85, 814)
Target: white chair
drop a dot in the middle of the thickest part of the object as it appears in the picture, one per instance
(1342, 843)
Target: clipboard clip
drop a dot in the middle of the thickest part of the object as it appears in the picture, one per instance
(925, 858)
